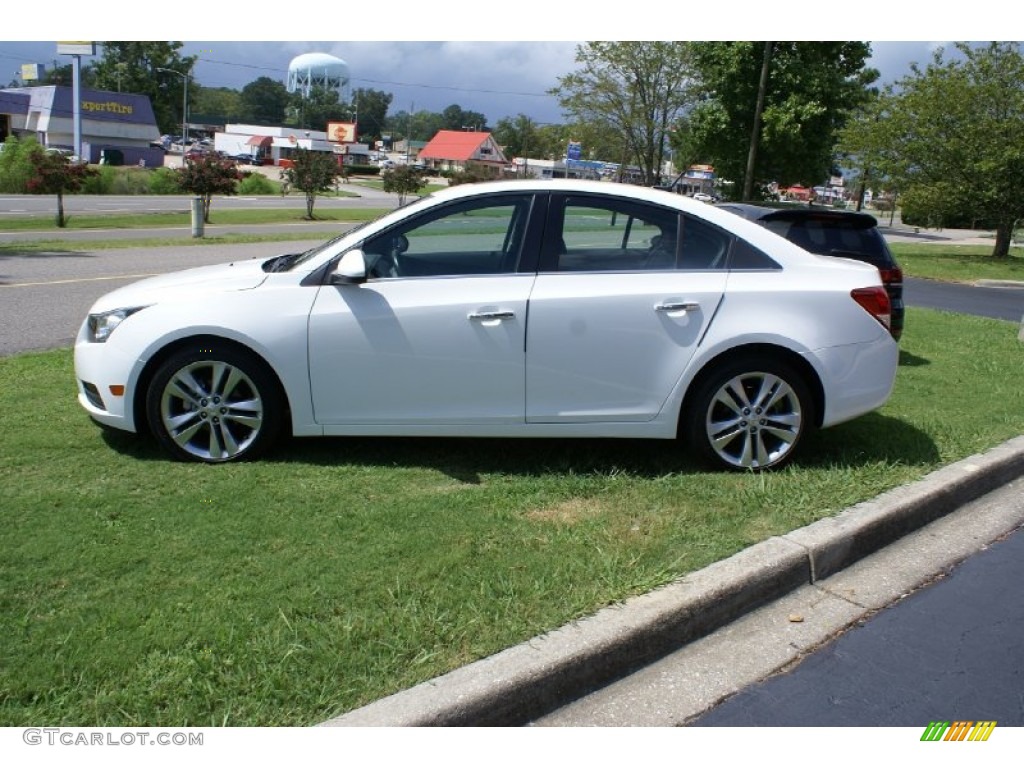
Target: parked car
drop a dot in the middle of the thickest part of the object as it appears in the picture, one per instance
(502, 309)
(245, 159)
(832, 232)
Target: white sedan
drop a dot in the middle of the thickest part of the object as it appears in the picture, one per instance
(506, 309)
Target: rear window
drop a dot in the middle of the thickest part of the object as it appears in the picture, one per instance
(834, 237)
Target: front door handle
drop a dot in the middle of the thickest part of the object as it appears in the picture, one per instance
(677, 306)
(498, 314)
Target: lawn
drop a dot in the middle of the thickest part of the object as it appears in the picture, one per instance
(139, 591)
(184, 218)
(958, 263)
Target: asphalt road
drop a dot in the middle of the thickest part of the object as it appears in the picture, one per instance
(983, 301)
(951, 651)
(44, 297)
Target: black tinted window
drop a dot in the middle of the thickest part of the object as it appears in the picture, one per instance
(834, 237)
(744, 256)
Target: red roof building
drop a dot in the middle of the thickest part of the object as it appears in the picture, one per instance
(456, 150)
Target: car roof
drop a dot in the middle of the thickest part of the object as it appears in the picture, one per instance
(749, 230)
(799, 212)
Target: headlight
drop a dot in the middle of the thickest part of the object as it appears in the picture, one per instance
(103, 324)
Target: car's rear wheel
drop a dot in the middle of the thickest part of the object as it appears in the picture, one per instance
(214, 403)
(749, 415)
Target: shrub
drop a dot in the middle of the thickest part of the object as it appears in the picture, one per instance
(16, 167)
(363, 170)
(130, 181)
(101, 183)
(164, 181)
(256, 184)
(470, 175)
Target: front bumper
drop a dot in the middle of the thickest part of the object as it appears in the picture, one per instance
(98, 369)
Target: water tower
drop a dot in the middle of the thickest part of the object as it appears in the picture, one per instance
(319, 69)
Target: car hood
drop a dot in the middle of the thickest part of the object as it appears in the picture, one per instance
(201, 281)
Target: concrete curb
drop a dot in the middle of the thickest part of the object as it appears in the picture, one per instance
(988, 283)
(523, 682)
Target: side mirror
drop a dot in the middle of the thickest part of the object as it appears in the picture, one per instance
(351, 269)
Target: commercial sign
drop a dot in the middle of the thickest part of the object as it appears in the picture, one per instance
(343, 133)
(29, 72)
(76, 48)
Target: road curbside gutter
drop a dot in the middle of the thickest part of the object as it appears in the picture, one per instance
(521, 683)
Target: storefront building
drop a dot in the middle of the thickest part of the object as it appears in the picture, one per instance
(117, 128)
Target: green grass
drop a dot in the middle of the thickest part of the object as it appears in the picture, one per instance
(184, 218)
(379, 184)
(958, 263)
(140, 591)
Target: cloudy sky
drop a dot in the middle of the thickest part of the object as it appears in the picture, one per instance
(507, 70)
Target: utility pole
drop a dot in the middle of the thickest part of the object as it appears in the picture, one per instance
(755, 136)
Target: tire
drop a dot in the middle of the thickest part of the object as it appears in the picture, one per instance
(749, 415)
(213, 403)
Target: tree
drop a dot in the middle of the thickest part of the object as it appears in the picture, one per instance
(403, 180)
(263, 102)
(951, 137)
(313, 172)
(372, 113)
(517, 136)
(207, 176)
(317, 109)
(635, 88)
(54, 174)
(455, 118)
(811, 90)
(214, 105)
(137, 67)
(63, 74)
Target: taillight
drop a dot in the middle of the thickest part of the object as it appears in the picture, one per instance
(875, 302)
(891, 276)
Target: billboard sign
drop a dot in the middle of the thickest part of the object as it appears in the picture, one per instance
(343, 133)
(76, 48)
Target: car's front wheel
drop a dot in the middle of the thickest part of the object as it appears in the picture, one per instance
(214, 403)
(749, 415)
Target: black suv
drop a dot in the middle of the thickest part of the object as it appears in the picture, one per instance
(830, 232)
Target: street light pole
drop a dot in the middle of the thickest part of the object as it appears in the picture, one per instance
(184, 107)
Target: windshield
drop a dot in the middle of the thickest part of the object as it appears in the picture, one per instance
(835, 237)
(290, 262)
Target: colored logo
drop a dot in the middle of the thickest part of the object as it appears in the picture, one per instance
(960, 730)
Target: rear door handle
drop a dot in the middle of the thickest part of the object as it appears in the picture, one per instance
(498, 314)
(677, 306)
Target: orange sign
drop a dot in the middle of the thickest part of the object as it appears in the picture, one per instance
(343, 133)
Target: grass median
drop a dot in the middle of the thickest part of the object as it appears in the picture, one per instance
(171, 219)
(958, 263)
(140, 591)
